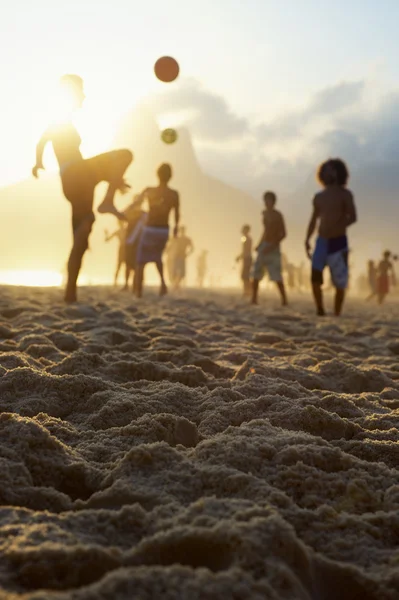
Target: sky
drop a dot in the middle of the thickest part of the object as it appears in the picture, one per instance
(260, 80)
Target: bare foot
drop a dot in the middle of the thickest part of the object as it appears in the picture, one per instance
(254, 302)
(163, 291)
(124, 187)
(108, 208)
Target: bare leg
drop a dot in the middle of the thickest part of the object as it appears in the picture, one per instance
(339, 300)
(112, 167)
(318, 296)
(118, 268)
(127, 277)
(80, 245)
(255, 288)
(281, 289)
(163, 290)
(138, 281)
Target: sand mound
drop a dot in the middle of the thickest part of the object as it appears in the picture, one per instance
(196, 448)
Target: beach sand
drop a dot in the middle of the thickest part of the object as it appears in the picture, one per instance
(197, 448)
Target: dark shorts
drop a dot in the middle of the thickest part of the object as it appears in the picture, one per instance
(80, 178)
(334, 254)
(152, 244)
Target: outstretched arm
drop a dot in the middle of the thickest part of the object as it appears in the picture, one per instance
(39, 154)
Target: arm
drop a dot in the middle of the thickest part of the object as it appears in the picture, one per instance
(190, 248)
(311, 228)
(39, 154)
(110, 237)
(176, 209)
(351, 216)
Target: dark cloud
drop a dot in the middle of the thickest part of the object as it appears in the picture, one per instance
(360, 136)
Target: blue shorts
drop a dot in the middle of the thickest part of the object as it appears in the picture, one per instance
(334, 254)
(270, 262)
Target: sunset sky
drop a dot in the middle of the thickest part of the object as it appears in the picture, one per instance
(262, 60)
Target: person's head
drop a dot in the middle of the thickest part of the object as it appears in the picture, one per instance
(164, 173)
(182, 231)
(387, 254)
(73, 88)
(246, 230)
(371, 264)
(333, 172)
(270, 199)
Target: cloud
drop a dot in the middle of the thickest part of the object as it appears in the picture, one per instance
(208, 114)
(338, 120)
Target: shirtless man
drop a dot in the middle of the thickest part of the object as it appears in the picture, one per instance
(182, 249)
(269, 253)
(80, 176)
(385, 270)
(246, 258)
(334, 209)
(162, 200)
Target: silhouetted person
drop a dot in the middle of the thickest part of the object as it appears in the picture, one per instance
(162, 200)
(372, 279)
(80, 176)
(202, 268)
(268, 251)
(246, 259)
(120, 235)
(385, 270)
(182, 248)
(136, 221)
(334, 210)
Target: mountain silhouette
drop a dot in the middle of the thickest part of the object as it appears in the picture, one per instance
(36, 217)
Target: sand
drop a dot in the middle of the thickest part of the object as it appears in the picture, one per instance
(197, 448)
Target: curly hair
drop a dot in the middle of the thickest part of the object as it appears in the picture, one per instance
(333, 171)
(270, 196)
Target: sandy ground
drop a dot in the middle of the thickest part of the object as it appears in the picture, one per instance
(197, 448)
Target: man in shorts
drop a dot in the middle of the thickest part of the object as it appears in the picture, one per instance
(334, 210)
(269, 253)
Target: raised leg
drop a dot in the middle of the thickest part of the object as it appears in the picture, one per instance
(111, 167)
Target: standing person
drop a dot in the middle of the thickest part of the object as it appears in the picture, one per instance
(120, 234)
(334, 209)
(162, 200)
(182, 250)
(246, 259)
(136, 219)
(268, 251)
(385, 270)
(372, 278)
(80, 176)
(202, 267)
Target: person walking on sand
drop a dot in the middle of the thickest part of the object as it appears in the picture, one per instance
(120, 235)
(162, 200)
(202, 267)
(385, 271)
(183, 247)
(268, 251)
(372, 278)
(334, 209)
(246, 259)
(79, 177)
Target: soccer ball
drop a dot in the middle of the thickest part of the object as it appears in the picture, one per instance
(169, 136)
(166, 69)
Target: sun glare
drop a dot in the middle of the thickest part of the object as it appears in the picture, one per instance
(31, 278)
